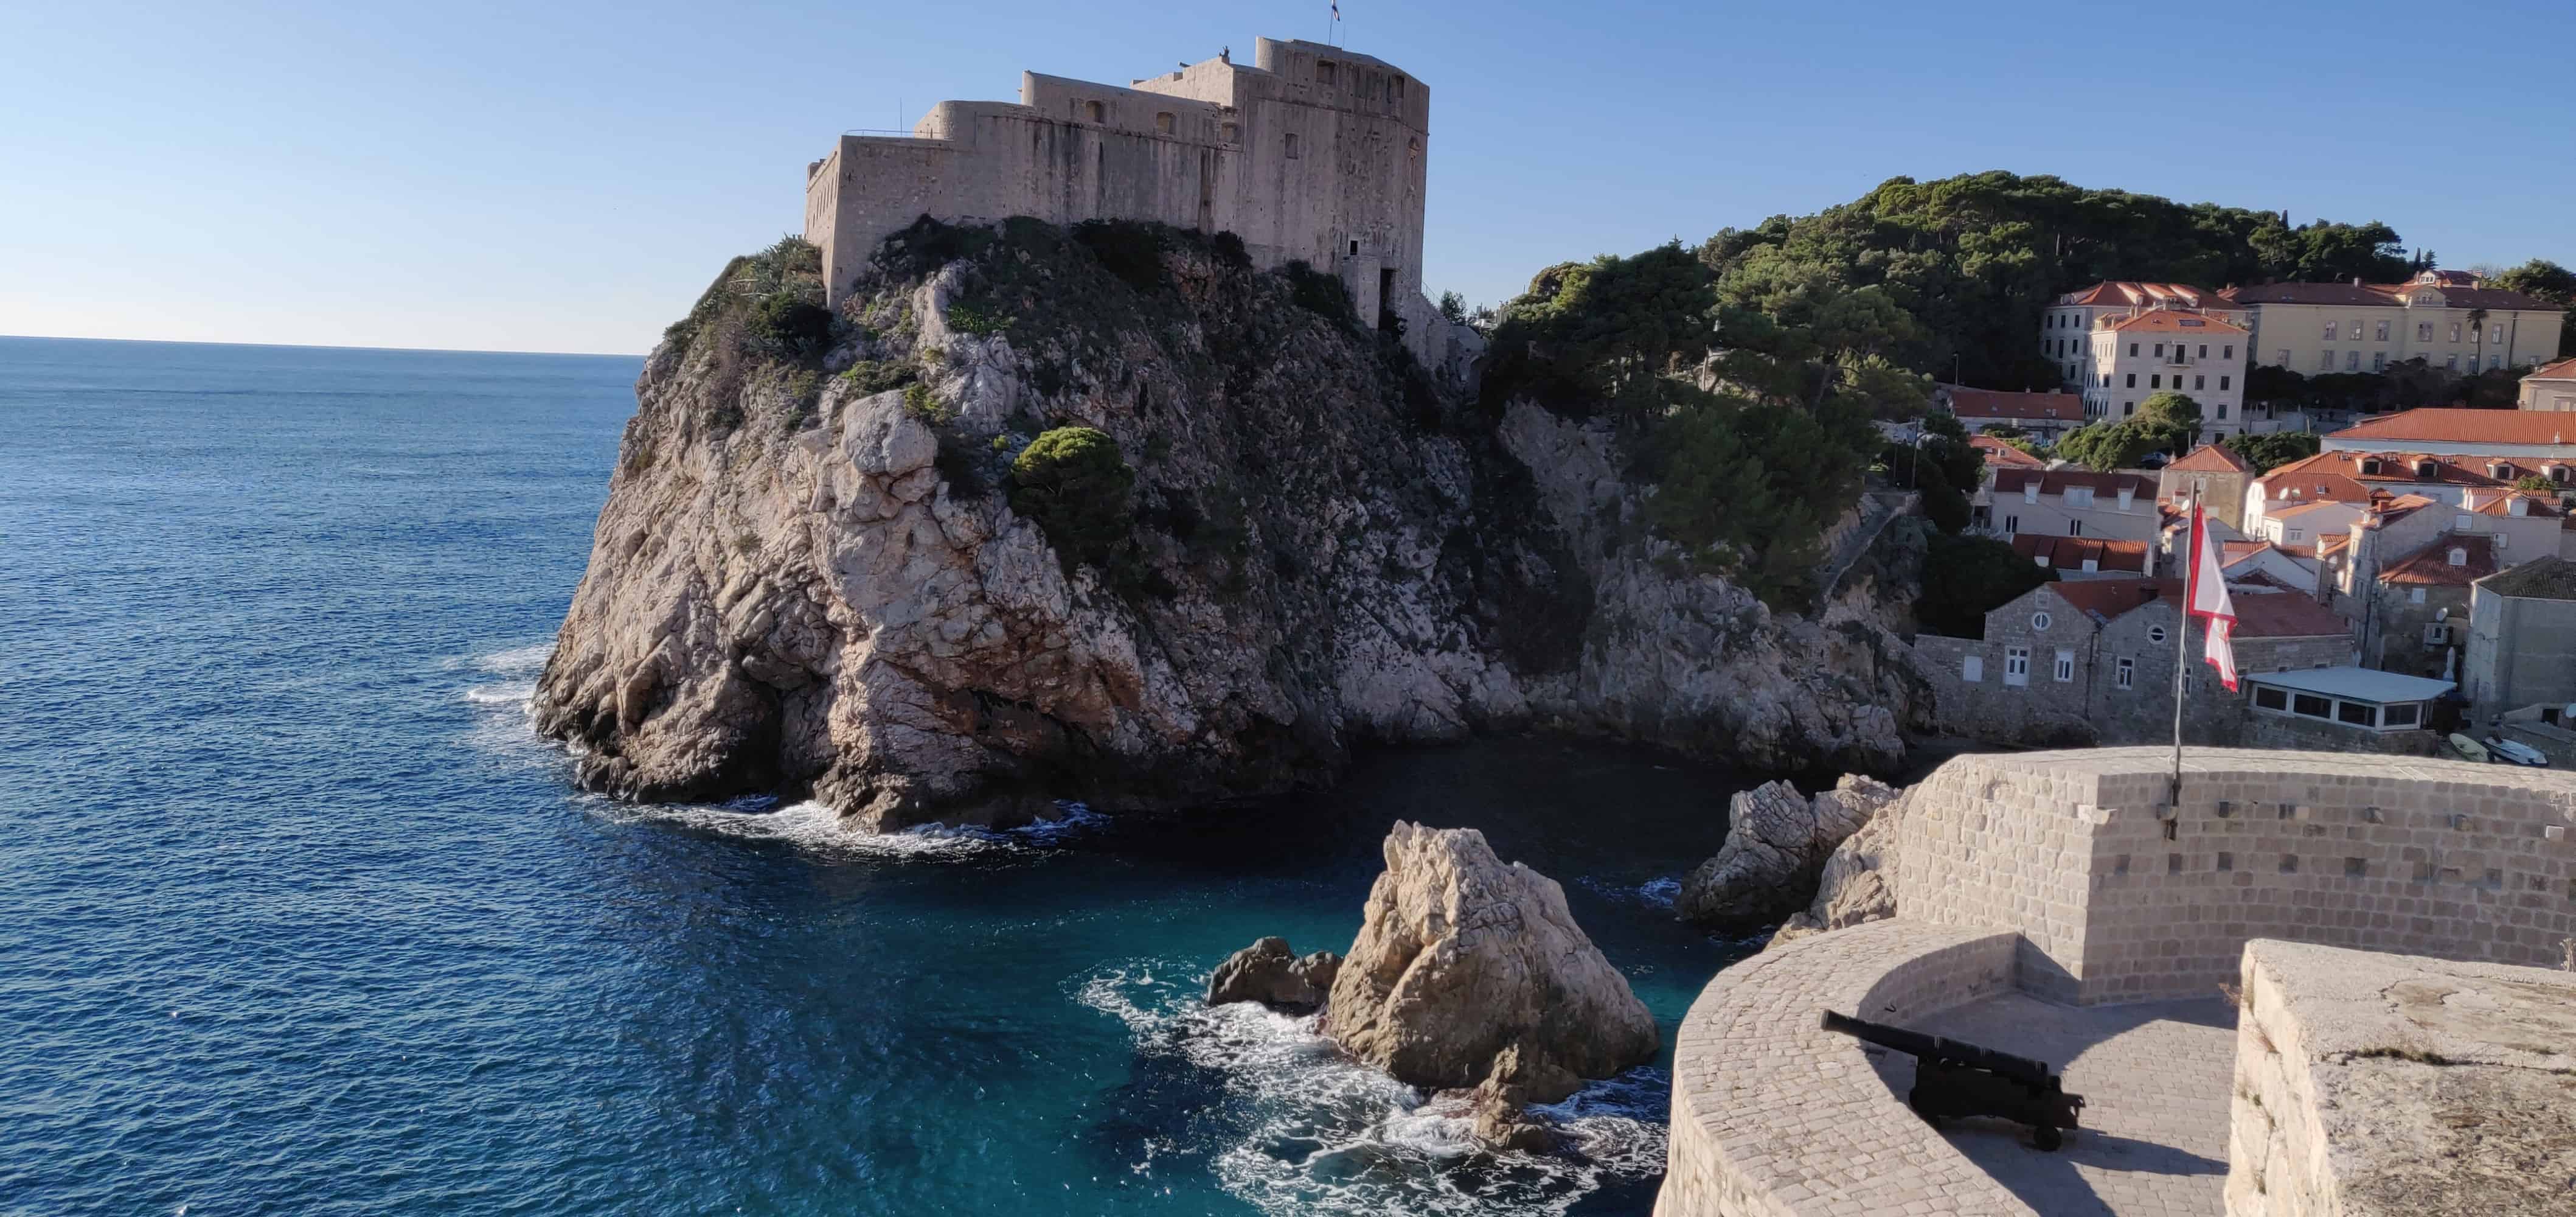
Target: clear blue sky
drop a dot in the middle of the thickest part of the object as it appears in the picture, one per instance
(567, 177)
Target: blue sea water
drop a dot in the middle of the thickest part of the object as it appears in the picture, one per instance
(296, 915)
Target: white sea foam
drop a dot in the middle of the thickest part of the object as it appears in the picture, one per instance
(1656, 893)
(515, 693)
(812, 825)
(517, 661)
(1330, 1135)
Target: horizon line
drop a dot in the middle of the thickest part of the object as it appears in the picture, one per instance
(321, 346)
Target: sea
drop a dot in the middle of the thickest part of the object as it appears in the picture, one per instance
(298, 916)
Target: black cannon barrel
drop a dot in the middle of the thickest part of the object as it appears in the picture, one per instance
(1917, 1044)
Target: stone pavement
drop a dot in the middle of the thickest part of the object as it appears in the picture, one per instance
(2155, 1079)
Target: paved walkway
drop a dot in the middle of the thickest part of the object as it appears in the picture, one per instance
(2155, 1078)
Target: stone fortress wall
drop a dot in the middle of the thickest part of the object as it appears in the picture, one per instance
(2118, 897)
(2067, 875)
(1313, 153)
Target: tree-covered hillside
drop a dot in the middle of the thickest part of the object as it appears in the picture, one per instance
(1975, 258)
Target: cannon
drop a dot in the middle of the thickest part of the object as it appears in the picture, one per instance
(1954, 1079)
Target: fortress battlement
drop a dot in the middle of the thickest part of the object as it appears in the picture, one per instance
(1312, 153)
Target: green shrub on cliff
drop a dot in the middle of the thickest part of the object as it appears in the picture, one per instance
(1074, 483)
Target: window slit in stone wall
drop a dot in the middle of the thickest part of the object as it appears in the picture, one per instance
(2460, 823)
(2495, 878)
(2226, 861)
(1093, 111)
(2173, 864)
(2289, 864)
(2120, 865)
(2172, 829)
(2226, 809)
(2355, 868)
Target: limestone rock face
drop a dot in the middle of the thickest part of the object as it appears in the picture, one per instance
(1269, 973)
(802, 585)
(1461, 958)
(1858, 883)
(1777, 844)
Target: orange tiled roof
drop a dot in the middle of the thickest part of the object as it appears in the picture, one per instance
(2379, 295)
(1998, 452)
(2431, 565)
(2564, 369)
(2456, 426)
(2108, 598)
(2286, 615)
(1995, 403)
(2167, 321)
(2058, 481)
(2128, 293)
(2212, 458)
(2341, 476)
(2539, 505)
(2070, 553)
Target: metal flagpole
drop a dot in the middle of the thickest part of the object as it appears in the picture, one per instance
(2182, 638)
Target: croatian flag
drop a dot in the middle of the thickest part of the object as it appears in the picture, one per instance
(2207, 599)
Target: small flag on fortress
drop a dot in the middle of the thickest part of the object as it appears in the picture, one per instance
(1337, 10)
(2207, 599)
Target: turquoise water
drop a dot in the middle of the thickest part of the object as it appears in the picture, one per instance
(297, 917)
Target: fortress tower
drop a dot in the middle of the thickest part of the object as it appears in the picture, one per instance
(1316, 154)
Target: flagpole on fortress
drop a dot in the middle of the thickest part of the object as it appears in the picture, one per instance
(2182, 638)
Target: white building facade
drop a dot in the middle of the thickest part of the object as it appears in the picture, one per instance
(2319, 328)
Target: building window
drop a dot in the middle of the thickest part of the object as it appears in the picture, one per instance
(2075, 528)
(1292, 145)
(2296, 535)
(1972, 668)
(2016, 665)
(2455, 331)
(2040, 621)
(2155, 380)
(2359, 714)
(2495, 334)
(2352, 361)
(2155, 633)
(1324, 72)
(2403, 715)
(2326, 363)
(2222, 410)
(2451, 362)
(2229, 352)
(2423, 331)
(2379, 361)
(2133, 348)
(2330, 331)
(1163, 122)
(2380, 331)
(2127, 675)
(2269, 698)
(2311, 705)
(2199, 382)
(1233, 132)
(2133, 381)
(2128, 408)
(2414, 595)
(1094, 112)
(1397, 85)
(2160, 350)
(2065, 665)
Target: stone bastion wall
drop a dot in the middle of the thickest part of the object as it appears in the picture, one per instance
(2120, 896)
(2071, 876)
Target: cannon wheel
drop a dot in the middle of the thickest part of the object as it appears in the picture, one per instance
(2047, 1138)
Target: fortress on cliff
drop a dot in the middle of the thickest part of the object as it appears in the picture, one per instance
(1313, 154)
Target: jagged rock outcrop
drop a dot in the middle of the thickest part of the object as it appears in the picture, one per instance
(1500, 1104)
(1777, 844)
(809, 578)
(1461, 958)
(1269, 973)
(1858, 883)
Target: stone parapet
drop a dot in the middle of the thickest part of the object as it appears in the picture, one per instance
(2375, 1085)
(2119, 897)
(1772, 1115)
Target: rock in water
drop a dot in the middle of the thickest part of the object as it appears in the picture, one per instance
(1269, 973)
(818, 575)
(1776, 846)
(1859, 880)
(1461, 959)
(1500, 1103)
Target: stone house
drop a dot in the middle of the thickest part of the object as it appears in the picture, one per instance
(2551, 387)
(2492, 530)
(2068, 503)
(2422, 605)
(2093, 660)
(2217, 473)
(2521, 648)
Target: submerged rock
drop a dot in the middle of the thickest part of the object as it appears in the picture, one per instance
(1462, 959)
(1500, 1104)
(1269, 973)
(1858, 883)
(1776, 846)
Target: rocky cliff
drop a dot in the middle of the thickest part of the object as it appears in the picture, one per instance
(810, 575)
